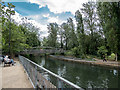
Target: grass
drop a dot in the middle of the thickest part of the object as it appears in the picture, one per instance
(111, 57)
(90, 57)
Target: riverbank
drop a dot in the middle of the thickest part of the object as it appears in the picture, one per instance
(98, 62)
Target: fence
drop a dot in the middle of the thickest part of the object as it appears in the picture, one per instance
(43, 78)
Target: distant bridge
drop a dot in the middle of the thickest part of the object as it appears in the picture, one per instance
(42, 51)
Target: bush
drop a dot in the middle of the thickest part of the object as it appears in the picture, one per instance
(102, 51)
(111, 57)
(69, 53)
(75, 51)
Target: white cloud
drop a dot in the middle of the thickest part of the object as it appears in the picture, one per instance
(35, 17)
(55, 19)
(35, 21)
(59, 6)
(50, 19)
(46, 15)
(42, 28)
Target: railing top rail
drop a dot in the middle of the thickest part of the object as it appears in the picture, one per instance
(55, 75)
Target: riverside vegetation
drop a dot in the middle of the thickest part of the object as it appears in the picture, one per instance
(96, 33)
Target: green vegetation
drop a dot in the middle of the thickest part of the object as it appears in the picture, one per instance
(111, 57)
(97, 32)
(15, 37)
(102, 51)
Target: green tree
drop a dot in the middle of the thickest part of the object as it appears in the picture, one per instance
(109, 15)
(66, 34)
(8, 14)
(16, 37)
(52, 38)
(72, 41)
(31, 35)
(61, 33)
(45, 42)
(102, 51)
(80, 33)
(89, 14)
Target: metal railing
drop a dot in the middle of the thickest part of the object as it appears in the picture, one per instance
(43, 78)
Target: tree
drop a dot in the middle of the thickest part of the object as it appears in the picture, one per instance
(52, 38)
(80, 33)
(89, 14)
(31, 34)
(10, 12)
(72, 42)
(17, 37)
(45, 42)
(66, 34)
(61, 36)
(102, 51)
(109, 15)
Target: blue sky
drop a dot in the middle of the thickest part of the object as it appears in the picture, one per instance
(29, 10)
(43, 12)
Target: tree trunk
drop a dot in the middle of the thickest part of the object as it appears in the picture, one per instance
(66, 44)
(116, 57)
(12, 56)
(61, 42)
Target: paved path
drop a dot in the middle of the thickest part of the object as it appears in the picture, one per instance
(15, 77)
(112, 64)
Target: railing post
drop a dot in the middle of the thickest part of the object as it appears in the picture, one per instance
(36, 84)
(59, 84)
(29, 69)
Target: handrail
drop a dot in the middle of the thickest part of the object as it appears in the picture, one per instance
(55, 75)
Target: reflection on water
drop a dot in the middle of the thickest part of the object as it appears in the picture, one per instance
(83, 75)
(61, 72)
(42, 62)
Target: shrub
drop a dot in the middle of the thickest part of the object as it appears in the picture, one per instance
(102, 51)
(69, 53)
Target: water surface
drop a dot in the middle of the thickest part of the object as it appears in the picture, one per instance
(85, 76)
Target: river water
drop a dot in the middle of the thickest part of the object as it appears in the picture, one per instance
(85, 76)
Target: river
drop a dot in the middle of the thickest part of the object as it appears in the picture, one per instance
(85, 76)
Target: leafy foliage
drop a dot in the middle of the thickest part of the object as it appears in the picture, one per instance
(52, 38)
(102, 51)
(109, 15)
(15, 38)
(97, 31)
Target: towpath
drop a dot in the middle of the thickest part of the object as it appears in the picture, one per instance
(14, 76)
(99, 62)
